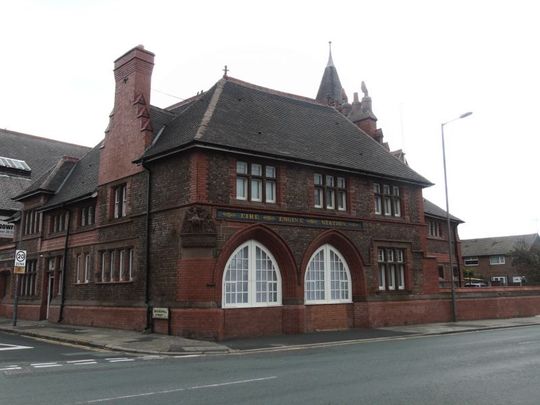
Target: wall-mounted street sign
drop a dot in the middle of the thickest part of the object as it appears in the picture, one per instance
(160, 313)
(20, 262)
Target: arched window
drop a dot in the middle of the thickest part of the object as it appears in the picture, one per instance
(327, 279)
(251, 278)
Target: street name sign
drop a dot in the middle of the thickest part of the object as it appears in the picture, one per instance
(160, 313)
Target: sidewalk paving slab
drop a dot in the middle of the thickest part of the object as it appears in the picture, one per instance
(143, 343)
(112, 339)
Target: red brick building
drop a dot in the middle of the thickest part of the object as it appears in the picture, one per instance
(242, 211)
(490, 258)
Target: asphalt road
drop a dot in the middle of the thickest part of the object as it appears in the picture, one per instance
(21, 349)
(490, 367)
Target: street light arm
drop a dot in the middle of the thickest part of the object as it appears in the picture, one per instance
(449, 227)
(465, 115)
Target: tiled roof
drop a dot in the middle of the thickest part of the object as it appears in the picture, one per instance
(330, 88)
(433, 210)
(81, 182)
(12, 186)
(501, 245)
(51, 180)
(239, 116)
(40, 154)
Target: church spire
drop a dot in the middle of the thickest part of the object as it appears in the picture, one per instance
(330, 61)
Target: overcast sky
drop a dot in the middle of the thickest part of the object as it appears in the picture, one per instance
(424, 63)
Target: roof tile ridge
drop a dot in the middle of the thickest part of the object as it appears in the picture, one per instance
(210, 109)
(43, 138)
(272, 91)
(163, 110)
(56, 168)
(67, 176)
(183, 102)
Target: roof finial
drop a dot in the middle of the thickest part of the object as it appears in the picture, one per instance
(330, 61)
(225, 70)
(364, 89)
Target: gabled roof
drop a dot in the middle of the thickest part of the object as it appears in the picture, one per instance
(81, 182)
(242, 117)
(50, 181)
(433, 210)
(40, 154)
(500, 245)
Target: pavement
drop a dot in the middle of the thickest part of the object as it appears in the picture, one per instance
(151, 343)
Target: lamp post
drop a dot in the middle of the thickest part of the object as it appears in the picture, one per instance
(452, 286)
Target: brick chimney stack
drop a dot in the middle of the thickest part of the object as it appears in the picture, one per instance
(362, 115)
(129, 132)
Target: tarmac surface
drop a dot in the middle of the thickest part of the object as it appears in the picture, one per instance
(151, 343)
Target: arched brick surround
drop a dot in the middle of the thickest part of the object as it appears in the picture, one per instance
(349, 252)
(276, 246)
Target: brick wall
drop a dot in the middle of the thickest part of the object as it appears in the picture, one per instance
(328, 317)
(106, 317)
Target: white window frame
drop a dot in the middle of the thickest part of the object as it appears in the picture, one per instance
(330, 191)
(103, 263)
(252, 278)
(471, 261)
(497, 260)
(79, 269)
(130, 264)
(327, 270)
(387, 200)
(391, 268)
(120, 201)
(256, 182)
(86, 267)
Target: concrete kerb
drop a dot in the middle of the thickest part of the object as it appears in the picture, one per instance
(335, 343)
(112, 347)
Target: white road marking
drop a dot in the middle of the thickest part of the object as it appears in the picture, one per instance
(186, 356)
(13, 347)
(197, 387)
(151, 357)
(13, 367)
(82, 362)
(119, 359)
(45, 365)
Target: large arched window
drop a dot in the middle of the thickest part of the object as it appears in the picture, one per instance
(251, 278)
(327, 279)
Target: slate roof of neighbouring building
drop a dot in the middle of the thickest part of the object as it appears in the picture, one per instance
(500, 245)
(239, 116)
(433, 210)
(40, 154)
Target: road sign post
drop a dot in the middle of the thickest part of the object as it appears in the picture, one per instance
(19, 268)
